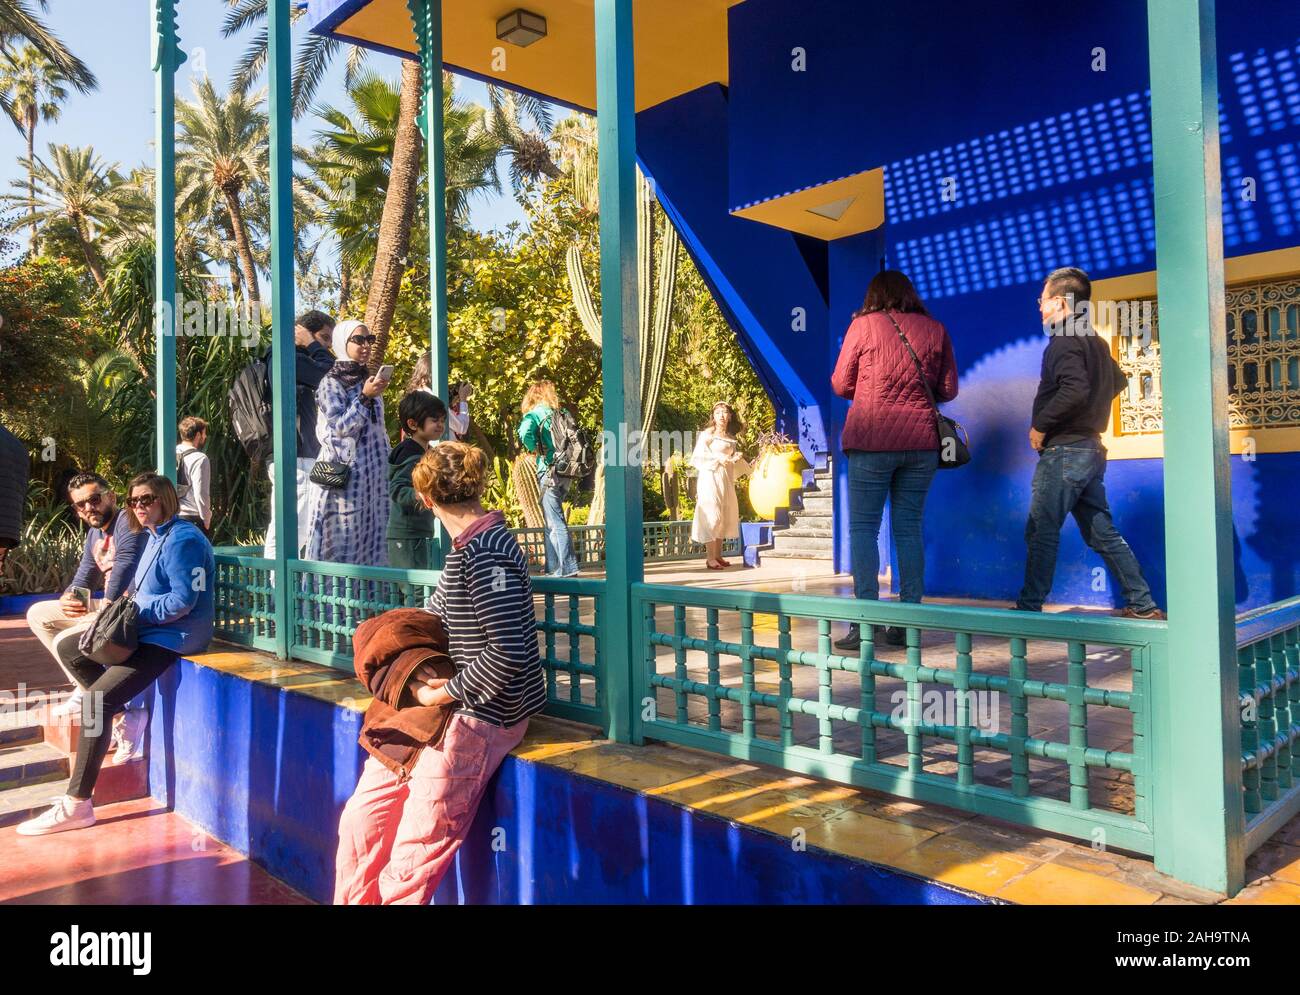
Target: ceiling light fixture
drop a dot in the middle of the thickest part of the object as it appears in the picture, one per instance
(522, 28)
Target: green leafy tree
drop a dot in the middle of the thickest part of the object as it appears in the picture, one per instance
(40, 329)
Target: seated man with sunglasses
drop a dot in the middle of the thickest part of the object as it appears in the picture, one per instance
(108, 562)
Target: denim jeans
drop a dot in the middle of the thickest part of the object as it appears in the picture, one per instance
(560, 561)
(1069, 480)
(904, 477)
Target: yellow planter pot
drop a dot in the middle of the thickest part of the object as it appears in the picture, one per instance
(779, 472)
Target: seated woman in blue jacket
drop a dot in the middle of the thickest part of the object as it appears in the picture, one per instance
(173, 593)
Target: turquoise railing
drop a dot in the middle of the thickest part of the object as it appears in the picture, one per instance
(331, 599)
(662, 541)
(1072, 746)
(754, 676)
(1268, 713)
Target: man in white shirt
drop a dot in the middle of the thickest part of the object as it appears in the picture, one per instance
(194, 474)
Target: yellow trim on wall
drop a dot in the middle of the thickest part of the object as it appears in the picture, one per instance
(1256, 267)
(681, 45)
(859, 200)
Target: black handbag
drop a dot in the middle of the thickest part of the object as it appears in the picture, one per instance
(954, 443)
(330, 474)
(114, 634)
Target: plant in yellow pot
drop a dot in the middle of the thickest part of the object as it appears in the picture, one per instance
(778, 472)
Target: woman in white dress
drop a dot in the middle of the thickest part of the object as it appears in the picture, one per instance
(718, 460)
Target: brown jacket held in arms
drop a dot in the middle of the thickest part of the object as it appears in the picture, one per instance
(387, 649)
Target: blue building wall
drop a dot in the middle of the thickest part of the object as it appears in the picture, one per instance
(1051, 163)
(268, 771)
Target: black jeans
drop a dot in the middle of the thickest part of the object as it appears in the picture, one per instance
(108, 689)
(1070, 480)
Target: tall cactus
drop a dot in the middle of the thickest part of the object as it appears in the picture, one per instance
(523, 478)
(656, 286)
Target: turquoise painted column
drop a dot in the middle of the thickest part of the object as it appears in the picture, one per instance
(620, 358)
(1196, 773)
(426, 18)
(283, 359)
(167, 57)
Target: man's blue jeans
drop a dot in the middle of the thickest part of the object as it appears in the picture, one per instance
(904, 477)
(560, 561)
(1070, 480)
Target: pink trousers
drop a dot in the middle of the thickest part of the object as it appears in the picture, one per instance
(396, 841)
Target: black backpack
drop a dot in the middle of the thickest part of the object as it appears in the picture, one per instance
(250, 411)
(575, 457)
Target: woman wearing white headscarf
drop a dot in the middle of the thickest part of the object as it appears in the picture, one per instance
(347, 524)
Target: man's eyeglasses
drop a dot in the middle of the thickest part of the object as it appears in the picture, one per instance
(93, 501)
(364, 339)
(142, 501)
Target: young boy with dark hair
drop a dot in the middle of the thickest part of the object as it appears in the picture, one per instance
(410, 524)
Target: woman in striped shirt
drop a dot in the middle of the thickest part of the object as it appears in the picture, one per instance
(485, 600)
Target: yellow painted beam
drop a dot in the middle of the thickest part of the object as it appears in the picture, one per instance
(681, 45)
(828, 211)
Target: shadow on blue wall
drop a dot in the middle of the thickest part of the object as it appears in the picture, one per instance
(1002, 162)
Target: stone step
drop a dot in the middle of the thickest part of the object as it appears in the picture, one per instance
(18, 728)
(812, 519)
(803, 530)
(819, 544)
(115, 784)
(20, 804)
(822, 504)
(34, 763)
(793, 554)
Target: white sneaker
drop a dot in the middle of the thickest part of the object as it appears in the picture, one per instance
(129, 730)
(65, 814)
(68, 708)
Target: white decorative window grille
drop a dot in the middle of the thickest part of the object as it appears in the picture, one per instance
(1263, 344)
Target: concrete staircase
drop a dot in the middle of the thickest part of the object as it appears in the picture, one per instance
(36, 756)
(809, 534)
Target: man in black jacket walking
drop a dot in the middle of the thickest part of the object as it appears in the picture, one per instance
(312, 360)
(14, 469)
(1079, 382)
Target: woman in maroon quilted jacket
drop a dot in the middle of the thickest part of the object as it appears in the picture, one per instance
(889, 439)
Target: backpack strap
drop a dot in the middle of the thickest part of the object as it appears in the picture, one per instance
(920, 370)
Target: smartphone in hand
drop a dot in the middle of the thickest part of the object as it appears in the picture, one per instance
(385, 373)
(82, 594)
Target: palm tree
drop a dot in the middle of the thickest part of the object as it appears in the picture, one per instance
(31, 89)
(394, 235)
(76, 187)
(351, 162)
(18, 21)
(223, 146)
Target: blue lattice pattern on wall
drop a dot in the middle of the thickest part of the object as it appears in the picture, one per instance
(1103, 229)
(1089, 141)
(1267, 85)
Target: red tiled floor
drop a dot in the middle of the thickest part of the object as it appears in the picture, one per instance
(138, 853)
(23, 660)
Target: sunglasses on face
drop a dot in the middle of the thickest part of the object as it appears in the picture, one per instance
(93, 501)
(142, 501)
(363, 339)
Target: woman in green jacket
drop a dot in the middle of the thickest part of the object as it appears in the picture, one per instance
(539, 406)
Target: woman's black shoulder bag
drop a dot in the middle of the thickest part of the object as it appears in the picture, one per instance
(115, 632)
(954, 443)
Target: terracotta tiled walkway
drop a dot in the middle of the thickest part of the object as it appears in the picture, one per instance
(138, 853)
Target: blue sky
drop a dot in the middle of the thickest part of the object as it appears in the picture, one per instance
(112, 37)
